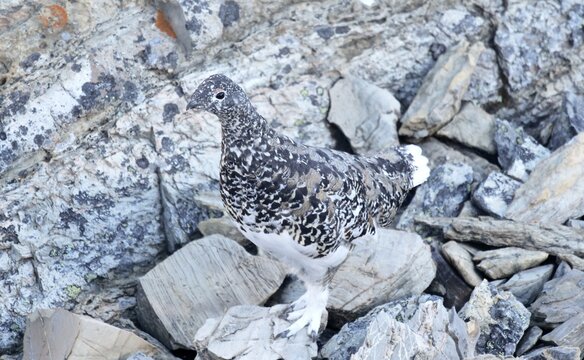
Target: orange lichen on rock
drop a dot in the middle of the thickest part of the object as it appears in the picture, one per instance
(163, 25)
(53, 17)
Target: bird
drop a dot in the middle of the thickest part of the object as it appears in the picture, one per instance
(302, 205)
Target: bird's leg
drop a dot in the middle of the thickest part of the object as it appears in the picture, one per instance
(315, 300)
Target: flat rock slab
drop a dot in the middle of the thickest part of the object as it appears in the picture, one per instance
(554, 353)
(500, 318)
(448, 282)
(527, 285)
(473, 127)
(365, 113)
(562, 241)
(400, 329)
(562, 298)
(201, 281)
(555, 191)
(439, 98)
(461, 259)
(392, 265)
(248, 332)
(60, 334)
(504, 262)
(530, 338)
(570, 333)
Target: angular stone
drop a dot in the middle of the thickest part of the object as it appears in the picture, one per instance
(179, 294)
(570, 333)
(518, 152)
(414, 325)
(527, 52)
(248, 332)
(495, 194)
(504, 262)
(554, 353)
(367, 279)
(527, 285)
(59, 334)
(472, 127)
(461, 259)
(439, 98)
(365, 113)
(553, 199)
(443, 194)
(562, 299)
(569, 122)
(485, 83)
(530, 338)
(559, 240)
(501, 319)
(448, 282)
(439, 153)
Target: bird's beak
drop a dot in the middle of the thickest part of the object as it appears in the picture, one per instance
(194, 103)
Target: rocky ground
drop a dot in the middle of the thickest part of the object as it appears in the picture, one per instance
(112, 243)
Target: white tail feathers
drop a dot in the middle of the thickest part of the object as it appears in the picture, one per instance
(420, 163)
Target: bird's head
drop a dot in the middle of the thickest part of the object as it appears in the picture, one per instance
(219, 95)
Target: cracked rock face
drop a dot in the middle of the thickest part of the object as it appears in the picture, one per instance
(408, 326)
(500, 318)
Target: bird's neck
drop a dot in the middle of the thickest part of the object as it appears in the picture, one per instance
(243, 130)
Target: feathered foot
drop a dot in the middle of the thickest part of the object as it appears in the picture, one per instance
(307, 312)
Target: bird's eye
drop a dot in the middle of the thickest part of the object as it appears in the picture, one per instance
(220, 95)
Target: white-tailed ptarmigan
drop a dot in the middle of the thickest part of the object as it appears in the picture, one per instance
(303, 205)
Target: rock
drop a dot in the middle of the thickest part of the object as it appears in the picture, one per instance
(461, 259)
(530, 338)
(365, 113)
(412, 325)
(249, 332)
(518, 153)
(366, 279)
(469, 210)
(59, 334)
(578, 224)
(556, 240)
(553, 199)
(562, 299)
(440, 96)
(443, 194)
(562, 269)
(529, 56)
(224, 275)
(570, 122)
(223, 226)
(527, 285)
(495, 194)
(413, 46)
(472, 127)
(439, 153)
(485, 83)
(501, 319)
(570, 333)
(292, 288)
(86, 215)
(554, 353)
(504, 262)
(448, 282)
